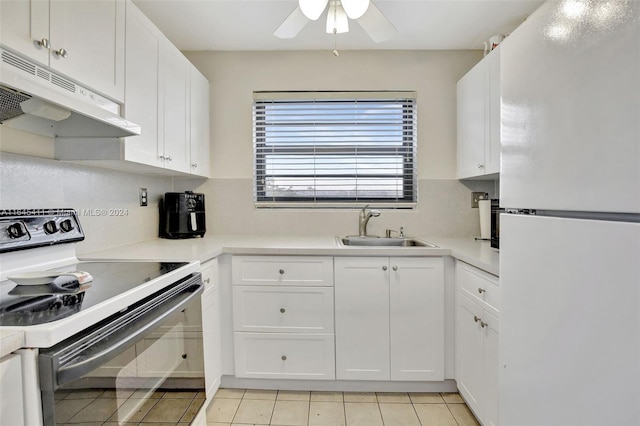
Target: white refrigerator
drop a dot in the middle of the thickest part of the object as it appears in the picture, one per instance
(570, 274)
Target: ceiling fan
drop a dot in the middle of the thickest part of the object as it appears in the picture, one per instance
(375, 24)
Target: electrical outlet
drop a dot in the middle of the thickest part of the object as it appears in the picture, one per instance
(144, 197)
(477, 196)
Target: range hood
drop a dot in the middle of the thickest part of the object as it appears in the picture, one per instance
(37, 100)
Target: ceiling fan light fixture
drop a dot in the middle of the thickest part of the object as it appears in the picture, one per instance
(355, 8)
(312, 9)
(337, 21)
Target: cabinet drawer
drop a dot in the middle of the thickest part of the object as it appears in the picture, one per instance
(479, 285)
(284, 356)
(282, 270)
(283, 309)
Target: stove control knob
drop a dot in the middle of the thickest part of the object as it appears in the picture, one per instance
(50, 227)
(16, 230)
(66, 225)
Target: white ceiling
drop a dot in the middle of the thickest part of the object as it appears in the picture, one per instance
(249, 24)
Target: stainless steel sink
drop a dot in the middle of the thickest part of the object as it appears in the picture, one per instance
(383, 242)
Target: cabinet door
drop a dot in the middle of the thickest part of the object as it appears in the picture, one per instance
(199, 123)
(211, 327)
(93, 35)
(174, 79)
(141, 97)
(469, 353)
(417, 318)
(471, 106)
(362, 318)
(175, 356)
(11, 402)
(491, 367)
(492, 142)
(22, 24)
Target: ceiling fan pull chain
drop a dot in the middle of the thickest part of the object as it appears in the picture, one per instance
(335, 43)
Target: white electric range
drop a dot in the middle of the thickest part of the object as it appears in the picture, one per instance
(76, 325)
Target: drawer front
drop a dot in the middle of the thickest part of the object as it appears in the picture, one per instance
(210, 274)
(282, 270)
(283, 309)
(284, 356)
(479, 285)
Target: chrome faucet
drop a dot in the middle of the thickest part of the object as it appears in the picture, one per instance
(364, 220)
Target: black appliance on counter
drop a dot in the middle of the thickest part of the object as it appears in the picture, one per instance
(495, 223)
(182, 215)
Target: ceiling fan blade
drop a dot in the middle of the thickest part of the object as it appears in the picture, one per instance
(376, 24)
(292, 25)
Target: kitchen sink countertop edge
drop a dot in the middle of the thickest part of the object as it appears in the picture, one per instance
(477, 253)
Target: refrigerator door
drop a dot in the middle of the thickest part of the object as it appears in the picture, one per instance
(571, 108)
(570, 322)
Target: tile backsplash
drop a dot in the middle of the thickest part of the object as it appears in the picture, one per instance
(106, 200)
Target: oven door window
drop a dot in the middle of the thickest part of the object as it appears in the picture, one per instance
(156, 377)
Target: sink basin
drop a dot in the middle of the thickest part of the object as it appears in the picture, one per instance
(383, 242)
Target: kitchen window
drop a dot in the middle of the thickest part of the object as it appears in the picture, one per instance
(335, 149)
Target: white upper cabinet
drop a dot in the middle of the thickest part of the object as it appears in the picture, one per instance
(199, 124)
(167, 96)
(173, 76)
(142, 100)
(84, 40)
(478, 115)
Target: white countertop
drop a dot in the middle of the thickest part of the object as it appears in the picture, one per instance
(477, 253)
(10, 341)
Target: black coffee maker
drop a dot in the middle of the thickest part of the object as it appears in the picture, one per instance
(182, 215)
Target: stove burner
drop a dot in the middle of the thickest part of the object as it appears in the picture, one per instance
(41, 309)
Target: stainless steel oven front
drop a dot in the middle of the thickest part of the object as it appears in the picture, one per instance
(142, 364)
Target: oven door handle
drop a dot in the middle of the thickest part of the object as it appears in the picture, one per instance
(115, 343)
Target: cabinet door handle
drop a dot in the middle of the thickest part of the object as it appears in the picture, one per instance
(384, 268)
(282, 310)
(208, 280)
(395, 268)
(284, 357)
(480, 166)
(194, 165)
(61, 53)
(483, 324)
(477, 318)
(184, 356)
(44, 43)
(481, 290)
(169, 158)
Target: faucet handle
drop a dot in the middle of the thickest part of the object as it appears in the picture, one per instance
(401, 232)
(387, 232)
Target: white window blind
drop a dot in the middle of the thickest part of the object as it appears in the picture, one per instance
(335, 148)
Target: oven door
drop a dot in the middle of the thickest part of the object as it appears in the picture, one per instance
(142, 364)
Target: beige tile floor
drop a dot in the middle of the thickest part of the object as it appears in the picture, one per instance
(126, 407)
(288, 408)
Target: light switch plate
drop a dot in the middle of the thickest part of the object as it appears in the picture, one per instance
(476, 196)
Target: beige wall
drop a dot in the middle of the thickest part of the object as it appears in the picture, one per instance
(235, 75)
(443, 202)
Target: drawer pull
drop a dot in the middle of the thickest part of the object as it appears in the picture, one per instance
(395, 268)
(184, 356)
(481, 290)
(281, 271)
(384, 268)
(284, 357)
(477, 318)
(483, 324)
(207, 281)
(282, 310)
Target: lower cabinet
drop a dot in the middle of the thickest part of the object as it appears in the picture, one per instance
(477, 325)
(283, 317)
(284, 356)
(11, 399)
(389, 318)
